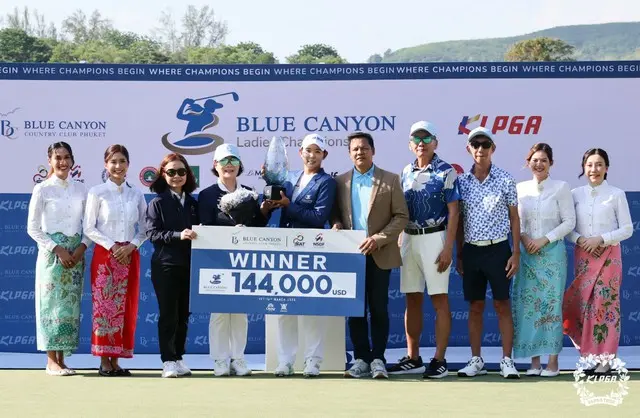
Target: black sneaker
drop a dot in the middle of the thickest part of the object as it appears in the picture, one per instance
(437, 369)
(407, 366)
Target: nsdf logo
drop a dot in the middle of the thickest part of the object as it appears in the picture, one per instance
(9, 250)
(513, 125)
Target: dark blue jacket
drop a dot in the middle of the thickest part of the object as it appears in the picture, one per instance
(210, 213)
(165, 220)
(312, 206)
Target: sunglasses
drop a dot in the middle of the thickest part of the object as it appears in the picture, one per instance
(426, 140)
(477, 144)
(180, 172)
(229, 160)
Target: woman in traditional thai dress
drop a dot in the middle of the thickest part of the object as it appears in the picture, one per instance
(547, 215)
(591, 307)
(55, 223)
(114, 209)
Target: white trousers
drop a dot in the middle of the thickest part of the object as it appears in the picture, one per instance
(313, 330)
(228, 336)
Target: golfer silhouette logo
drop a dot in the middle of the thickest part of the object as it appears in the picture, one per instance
(200, 117)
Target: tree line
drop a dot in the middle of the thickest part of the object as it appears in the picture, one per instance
(198, 37)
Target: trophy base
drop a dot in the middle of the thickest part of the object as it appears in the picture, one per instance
(273, 192)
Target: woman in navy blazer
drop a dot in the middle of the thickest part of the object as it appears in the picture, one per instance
(307, 203)
(170, 216)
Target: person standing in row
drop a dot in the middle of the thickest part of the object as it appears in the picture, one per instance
(431, 190)
(489, 213)
(170, 217)
(591, 305)
(547, 215)
(228, 332)
(307, 204)
(55, 218)
(358, 191)
(114, 209)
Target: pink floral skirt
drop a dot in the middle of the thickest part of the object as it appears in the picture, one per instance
(591, 306)
(115, 293)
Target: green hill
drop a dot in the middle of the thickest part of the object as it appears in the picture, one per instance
(609, 41)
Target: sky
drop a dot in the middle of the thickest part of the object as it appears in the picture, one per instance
(357, 29)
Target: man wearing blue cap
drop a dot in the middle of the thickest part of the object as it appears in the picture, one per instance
(430, 188)
(489, 206)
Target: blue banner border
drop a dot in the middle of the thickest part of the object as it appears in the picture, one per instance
(320, 72)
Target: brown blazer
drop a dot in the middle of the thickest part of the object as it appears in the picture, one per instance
(388, 214)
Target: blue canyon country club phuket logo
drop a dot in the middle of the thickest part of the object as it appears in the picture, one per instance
(200, 117)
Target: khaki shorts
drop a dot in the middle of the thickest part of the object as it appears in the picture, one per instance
(419, 255)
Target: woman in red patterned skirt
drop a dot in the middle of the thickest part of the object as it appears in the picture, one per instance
(113, 211)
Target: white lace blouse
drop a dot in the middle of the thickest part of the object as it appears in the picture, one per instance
(546, 209)
(56, 206)
(112, 214)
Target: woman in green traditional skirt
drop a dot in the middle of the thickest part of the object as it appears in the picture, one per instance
(55, 223)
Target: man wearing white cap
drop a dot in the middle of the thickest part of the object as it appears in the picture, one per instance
(430, 188)
(489, 205)
(307, 203)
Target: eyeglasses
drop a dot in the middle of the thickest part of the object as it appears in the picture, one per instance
(484, 144)
(229, 160)
(426, 140)
(180, 172)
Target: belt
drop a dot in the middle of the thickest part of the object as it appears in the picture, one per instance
(488, 242)
(423, 231)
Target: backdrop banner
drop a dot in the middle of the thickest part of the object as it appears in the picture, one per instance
(192, 109)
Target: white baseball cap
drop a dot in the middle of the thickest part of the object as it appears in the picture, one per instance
(480, 131)
(226, 150)
(314, 139)
(423, 125)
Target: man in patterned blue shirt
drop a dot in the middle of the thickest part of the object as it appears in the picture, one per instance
(489, 213)
(430, 188)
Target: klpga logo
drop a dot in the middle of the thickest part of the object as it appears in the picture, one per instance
(514, 125)
(8, 205)
(201, 118)
(17, 250)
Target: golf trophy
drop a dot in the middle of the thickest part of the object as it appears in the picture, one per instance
(276, 168)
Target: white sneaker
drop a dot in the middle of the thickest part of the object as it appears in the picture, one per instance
(508, 369)
(311, 367)
(475, 367)
(221, 368)
(378, 369)
(239, 368)
(359, 369)
(284, 369)
(183, 370)
(169, 369)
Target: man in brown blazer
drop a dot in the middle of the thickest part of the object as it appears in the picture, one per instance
(371, 199)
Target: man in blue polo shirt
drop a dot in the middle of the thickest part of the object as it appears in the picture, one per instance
(489, 208)
(430, 188)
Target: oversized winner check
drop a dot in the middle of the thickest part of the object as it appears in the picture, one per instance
(277, 271)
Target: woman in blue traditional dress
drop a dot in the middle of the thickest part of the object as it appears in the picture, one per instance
(55, 223)
(547, 215)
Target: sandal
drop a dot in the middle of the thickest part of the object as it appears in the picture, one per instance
(106, 373)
